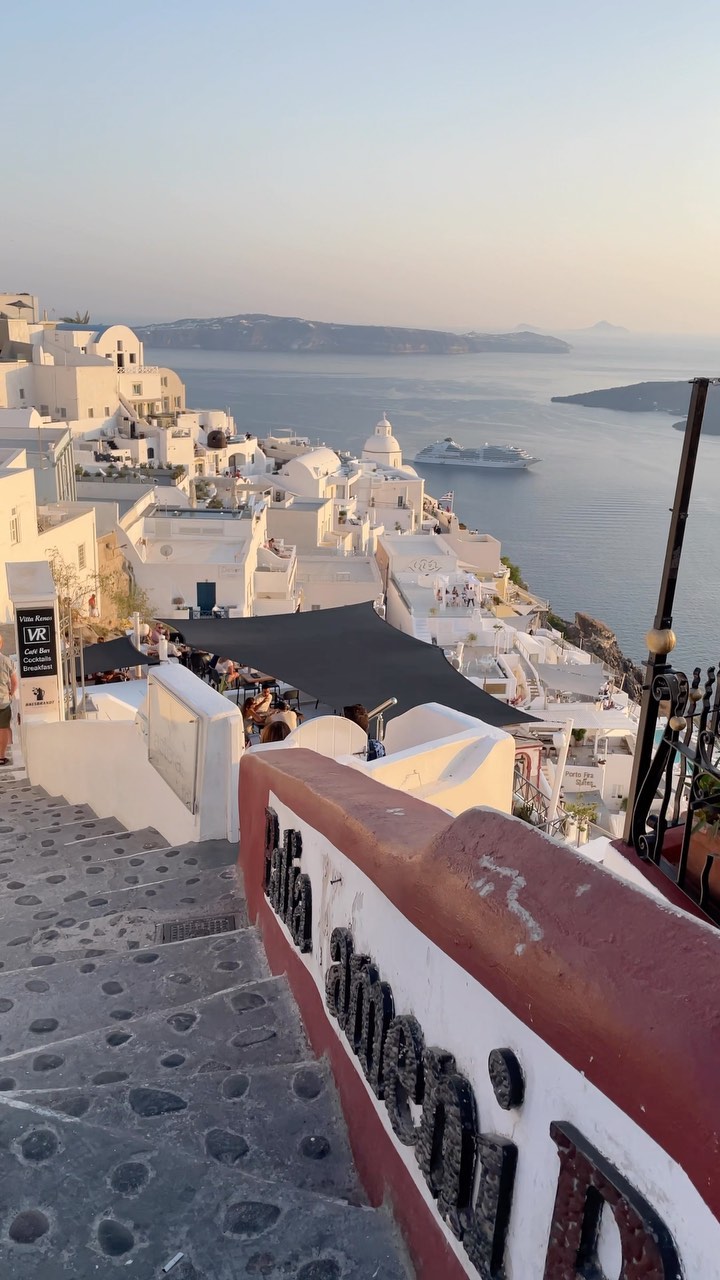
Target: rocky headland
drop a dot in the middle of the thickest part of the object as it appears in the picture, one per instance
(651, 397)
(286, 333)
(597, 638)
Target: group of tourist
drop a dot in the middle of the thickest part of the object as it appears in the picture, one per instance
(452, 598)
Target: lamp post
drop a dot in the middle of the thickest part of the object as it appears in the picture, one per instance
(661, 638)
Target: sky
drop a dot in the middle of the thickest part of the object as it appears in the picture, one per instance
(444, 163)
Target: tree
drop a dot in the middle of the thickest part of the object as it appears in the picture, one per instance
(77, 318)
(515, 572)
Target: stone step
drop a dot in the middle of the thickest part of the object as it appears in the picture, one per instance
(13, 788)
(80, 1199)
(279, 1124)
(262, 1029)
(61, 885)
(32, 913)
(24, 817)
(19, 853)
(79, 996)
(86, 829)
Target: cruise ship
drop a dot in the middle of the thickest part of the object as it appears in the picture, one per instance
(447, 452)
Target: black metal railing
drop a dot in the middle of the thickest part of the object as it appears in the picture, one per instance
(532, 805)
(675, 821)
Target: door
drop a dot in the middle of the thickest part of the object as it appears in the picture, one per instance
(206, 594)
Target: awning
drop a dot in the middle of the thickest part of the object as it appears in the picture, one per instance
(344, 656)
(572, 677)
(584, 715)
(113, 655)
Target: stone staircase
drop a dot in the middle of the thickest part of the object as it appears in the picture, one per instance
(160, 1109)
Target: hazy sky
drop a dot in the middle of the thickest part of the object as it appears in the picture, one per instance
(423, 162)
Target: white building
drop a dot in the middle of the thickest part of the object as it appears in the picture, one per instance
(29, 531)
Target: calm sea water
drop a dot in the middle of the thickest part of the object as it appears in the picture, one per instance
(587, 525)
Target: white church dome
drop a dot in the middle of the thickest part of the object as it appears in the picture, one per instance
(381, 446)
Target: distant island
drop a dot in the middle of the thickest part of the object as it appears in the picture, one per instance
(285, 333)
(650, 397)
(604, 327)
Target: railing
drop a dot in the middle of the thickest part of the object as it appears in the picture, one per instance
(676, 816)
(133, 369)
(534, 804)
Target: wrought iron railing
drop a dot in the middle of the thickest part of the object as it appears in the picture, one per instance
(676, 816)
(532, 805)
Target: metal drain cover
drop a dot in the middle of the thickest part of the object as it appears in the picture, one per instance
(179, 930)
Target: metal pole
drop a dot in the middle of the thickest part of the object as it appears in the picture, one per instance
(657, 662)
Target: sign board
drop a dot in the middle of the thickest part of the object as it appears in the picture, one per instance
(173, 742)
(37, 643)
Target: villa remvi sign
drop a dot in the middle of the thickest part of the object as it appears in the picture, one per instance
(454, 1155)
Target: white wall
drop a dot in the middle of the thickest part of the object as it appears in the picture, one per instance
(458, 1014)
(104, 763)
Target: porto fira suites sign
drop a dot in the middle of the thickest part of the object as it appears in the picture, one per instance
(433, 1110)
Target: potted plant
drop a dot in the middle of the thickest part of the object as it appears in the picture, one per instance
(471, 637)
(178, 601)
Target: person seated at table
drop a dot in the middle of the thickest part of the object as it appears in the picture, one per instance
(282, 713)
(258, 708)
(225, 667)
(275, 732)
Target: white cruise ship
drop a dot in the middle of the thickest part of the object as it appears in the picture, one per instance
(508, 457)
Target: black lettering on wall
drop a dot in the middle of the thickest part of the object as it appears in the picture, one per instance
(404, 1075)
(272, 840)
(301, 922)
(337, 978)
(371, 1011)
(447, 1144)
(586, 1183)
(506, 1078)
(484, 1241)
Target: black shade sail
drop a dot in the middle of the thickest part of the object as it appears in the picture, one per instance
(344, 656)
(113, 655)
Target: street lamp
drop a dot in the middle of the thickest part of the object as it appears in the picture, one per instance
(661, 638)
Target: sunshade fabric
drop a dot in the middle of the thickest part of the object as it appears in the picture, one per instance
(572, 678)
(347, 655)
(113, 655)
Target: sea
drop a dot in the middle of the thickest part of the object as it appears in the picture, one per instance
(587, 525)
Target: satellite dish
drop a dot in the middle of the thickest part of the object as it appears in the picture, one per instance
(166, 550)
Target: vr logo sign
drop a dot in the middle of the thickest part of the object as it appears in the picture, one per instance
(36, 635)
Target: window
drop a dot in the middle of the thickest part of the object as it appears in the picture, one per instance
(314, 608)
(22, 393)
(81, 556)
(132, 358)
(91, 413)
(151, 452)
(137, 388)
(44, 411)
(164, 382)
(14, 526)
(107, 410)
(177, 402)
(166, 404)
(120, 346)
(63, 412)
(84, 350)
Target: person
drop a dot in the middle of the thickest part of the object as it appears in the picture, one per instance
(282, 713)
(275, 731)
(93, 606)
(226, 668)
(358, 714)
(8, 689)
(258, 707)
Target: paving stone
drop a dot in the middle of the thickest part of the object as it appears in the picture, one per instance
(54, 883)
(252, 1120)
(86, 829)
(80, 1199)
(20, 855)
(265, 1031)
(77, 1000)
(28, 816)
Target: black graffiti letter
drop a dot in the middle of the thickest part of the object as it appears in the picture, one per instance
(446, 1147)
(484, 1241)
(301, 926)
(404, 1075)
(371, 1011)
(337, 978)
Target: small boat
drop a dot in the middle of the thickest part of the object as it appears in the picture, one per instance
(506, 457)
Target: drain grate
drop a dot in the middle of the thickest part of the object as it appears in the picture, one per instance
(180, 930)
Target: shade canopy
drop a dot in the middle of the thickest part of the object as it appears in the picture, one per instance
(344, 656)
(573, 678)
(114, 655)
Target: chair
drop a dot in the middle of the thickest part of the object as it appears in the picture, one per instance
(291, 696)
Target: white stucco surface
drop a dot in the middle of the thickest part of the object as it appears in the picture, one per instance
(457, 1013)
